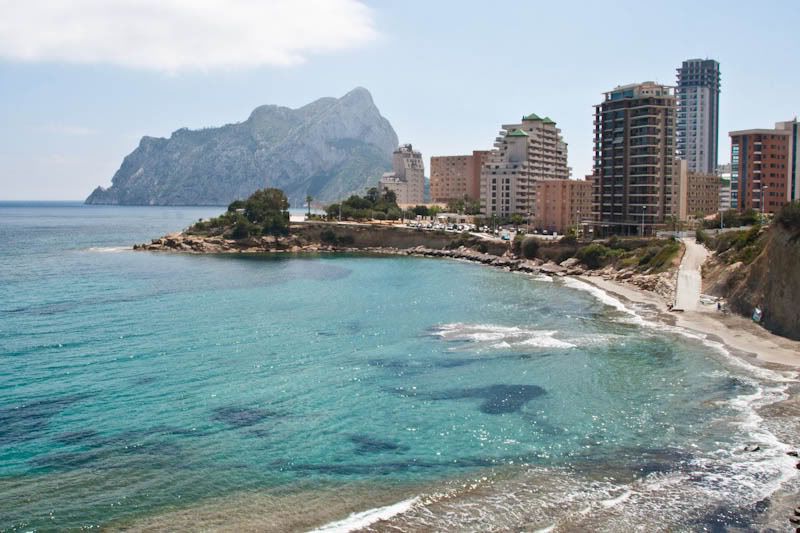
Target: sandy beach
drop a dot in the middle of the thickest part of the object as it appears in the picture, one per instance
(741, 335)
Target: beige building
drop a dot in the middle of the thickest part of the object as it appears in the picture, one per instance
(697, 195)
(456, 176)
(562, 204)
(407, 179)
(523, 154)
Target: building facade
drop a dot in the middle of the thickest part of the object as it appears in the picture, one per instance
(457, 176)
(634, 157)
(407, 179)
(523, 154)
(562, 204)
(697, 130)
(724, 173)
(697, 195)
(764, 167)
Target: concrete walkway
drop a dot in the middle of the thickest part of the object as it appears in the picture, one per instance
(687, 291)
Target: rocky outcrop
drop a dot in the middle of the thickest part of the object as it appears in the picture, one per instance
(662, 283)
(329, 149)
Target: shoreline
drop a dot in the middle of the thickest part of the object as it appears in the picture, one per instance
(744, 338)
(740, 335)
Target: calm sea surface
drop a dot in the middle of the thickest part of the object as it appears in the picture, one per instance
(150, 390)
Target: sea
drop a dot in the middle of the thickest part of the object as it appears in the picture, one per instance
(147, 391)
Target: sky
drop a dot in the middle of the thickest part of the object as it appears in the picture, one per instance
(81, 81)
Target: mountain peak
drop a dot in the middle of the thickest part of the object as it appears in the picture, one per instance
(329, 148)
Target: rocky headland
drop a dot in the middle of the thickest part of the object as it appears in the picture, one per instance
(320, 237)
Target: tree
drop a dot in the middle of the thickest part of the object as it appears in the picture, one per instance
(309, 199)
(373, 195)
(268, 208)
(420, 210)
(234, 205)
(529, 247)
(517, 219)
(390, 197)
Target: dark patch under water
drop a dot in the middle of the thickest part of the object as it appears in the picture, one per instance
(498, 399)
(366, 444)
(240, 417)
(77, 437)
(27, 421)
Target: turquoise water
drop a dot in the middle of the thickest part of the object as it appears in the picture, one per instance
(132, 384)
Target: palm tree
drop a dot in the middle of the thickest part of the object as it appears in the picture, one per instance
(309, 199)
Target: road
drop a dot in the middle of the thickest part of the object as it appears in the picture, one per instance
(687, 292)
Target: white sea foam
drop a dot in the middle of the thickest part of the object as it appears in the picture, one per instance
(366, 518)
(501, 337)
(109, 249)
(729, 470)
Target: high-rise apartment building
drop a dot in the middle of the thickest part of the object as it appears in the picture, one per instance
(407, 179)
(562, 204)
(765, 167)
(457, 176)
(697, 131)
(523, 154)
(634, 157)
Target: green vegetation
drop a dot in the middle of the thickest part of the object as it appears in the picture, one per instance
(700, 236)
(789, 216)
(372, 205)
(465, 206)
(265, 212)
(468, 241)
(733, 219)
(329, 236)
(643, 255)
(529, 247)
(735, 246)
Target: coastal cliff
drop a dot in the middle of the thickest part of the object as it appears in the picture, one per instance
(760, 267)
(772, 283)
(328, 149)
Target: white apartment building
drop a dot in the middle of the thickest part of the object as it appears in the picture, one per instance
(523, 154)
(407, 179)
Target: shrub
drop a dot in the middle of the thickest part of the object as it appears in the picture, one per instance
(529, 247)
(379, 216)
(570, 239)
(593, 255)
(700, 236)
(789, 216)
(241, 230)
(328, 236)
(516, 245)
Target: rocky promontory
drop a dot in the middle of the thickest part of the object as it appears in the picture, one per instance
(323, 237)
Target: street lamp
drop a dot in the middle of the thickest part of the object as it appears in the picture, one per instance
(644, 208)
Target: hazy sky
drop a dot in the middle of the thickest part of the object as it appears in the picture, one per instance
(82, 81)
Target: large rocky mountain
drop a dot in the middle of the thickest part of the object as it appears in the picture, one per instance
(329, 149)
